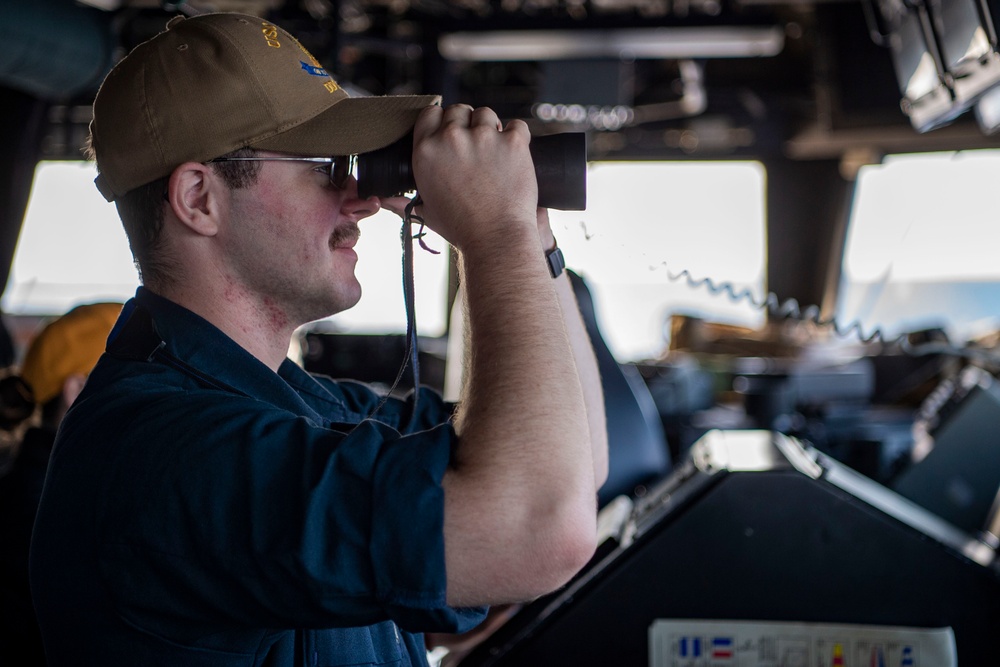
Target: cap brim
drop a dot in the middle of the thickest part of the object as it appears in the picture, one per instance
(352, 125)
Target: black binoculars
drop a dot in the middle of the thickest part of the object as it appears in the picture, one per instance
(560, 169)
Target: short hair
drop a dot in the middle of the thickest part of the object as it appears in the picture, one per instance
(141, 211)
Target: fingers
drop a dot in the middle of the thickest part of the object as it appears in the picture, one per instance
(427, 122)
(395, 204)
(460, 115)
(519, 126)
(435, 118)
(486, 117)
(472, 172)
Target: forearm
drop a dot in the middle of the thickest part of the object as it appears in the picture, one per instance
(519, 503)
(521, 358)
(586, 361)
(590, 378)
(523, 477)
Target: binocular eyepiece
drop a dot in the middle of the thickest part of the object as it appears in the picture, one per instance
(560, 168)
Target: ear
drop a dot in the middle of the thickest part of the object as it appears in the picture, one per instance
(195, 195)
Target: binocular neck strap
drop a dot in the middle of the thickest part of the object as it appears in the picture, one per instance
(411, 357)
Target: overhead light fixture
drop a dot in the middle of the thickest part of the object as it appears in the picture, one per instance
(106, 5)
(637, 43)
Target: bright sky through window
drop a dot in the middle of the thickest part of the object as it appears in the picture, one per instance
(648, 221)
(910, 204)
(921, 248)
(643, 221)
(73, 250)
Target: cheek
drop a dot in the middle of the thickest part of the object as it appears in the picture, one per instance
(287, 217)
(277, 216)
(270, 204)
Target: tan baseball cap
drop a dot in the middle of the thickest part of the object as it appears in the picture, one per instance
(214, 83)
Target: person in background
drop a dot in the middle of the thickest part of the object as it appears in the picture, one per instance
(10, 437)
(55, 368)
(210, 503)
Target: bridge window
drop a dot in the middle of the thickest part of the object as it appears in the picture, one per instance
(648, 222)
(922, 246)
(72, 250)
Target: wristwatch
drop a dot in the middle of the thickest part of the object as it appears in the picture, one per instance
(556, 261)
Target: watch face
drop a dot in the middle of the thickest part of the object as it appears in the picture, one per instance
(556, 261)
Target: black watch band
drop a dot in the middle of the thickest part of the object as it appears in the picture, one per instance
(556, 261)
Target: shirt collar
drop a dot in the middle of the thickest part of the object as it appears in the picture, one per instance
(203, 347)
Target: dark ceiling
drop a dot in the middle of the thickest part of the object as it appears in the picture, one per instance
(812, 96)
(827, 90)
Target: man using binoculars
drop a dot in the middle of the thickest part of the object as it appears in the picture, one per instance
(210, 503)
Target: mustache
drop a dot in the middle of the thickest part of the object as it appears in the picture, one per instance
(346, 236)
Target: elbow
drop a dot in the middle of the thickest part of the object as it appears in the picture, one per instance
(580, 548)
(569, 549)
(572, 529)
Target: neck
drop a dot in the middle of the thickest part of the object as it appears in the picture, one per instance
(255, 324)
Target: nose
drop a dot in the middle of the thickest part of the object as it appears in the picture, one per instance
(354, 206)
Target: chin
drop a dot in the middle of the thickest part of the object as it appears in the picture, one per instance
(346, 299)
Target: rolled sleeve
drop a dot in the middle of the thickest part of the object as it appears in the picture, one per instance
(407, 540)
